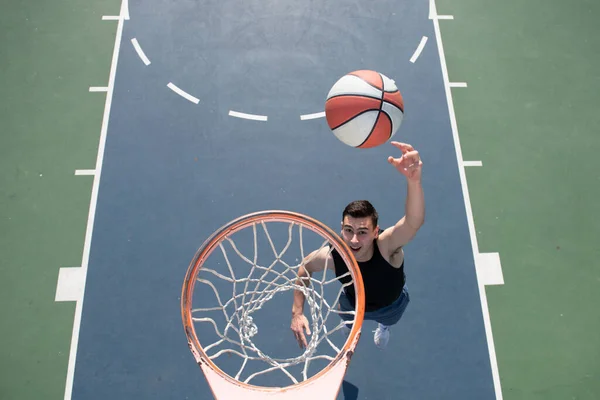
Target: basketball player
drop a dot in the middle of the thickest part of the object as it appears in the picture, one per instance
(379, 254)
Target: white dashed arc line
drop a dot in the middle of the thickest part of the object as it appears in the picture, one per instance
(183, 93)
(139, 51)
(312, 116)
(253, 117)
(419, 49)
(142, 55)
(414, 57)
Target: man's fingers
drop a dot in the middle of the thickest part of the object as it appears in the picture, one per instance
(307, 329)
(412, 157)
(298, 328)
(404, 147)
(396, 162)
(301, 340)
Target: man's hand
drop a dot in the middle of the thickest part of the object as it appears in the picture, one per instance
(299, 324)
(409, 164)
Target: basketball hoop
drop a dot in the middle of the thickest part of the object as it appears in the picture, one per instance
(248, 297)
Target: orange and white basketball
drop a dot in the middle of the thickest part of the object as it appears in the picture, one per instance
(364, 109)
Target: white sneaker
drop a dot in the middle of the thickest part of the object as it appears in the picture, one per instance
(382, 336)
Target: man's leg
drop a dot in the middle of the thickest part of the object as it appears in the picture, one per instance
(388, 316)
(345, 305)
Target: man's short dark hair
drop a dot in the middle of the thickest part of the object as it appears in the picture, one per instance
(361, 209)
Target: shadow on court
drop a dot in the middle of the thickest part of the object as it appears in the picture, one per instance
(349, 390)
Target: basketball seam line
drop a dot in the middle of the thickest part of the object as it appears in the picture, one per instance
(393, 105)
(369, 83)
(354, 94)
(356, 116)
(389, 102)
(367, 110)
(376, 119)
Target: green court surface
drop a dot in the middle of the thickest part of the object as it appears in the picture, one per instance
(529, 113)
(51, 54)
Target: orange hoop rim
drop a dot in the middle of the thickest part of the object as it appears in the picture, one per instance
(238, 224)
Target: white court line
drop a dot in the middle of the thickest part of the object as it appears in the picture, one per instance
(458, 84)
(432, 10)
(445, 17)
(312, 116)
(98, 89)
(81, 172)
(183, 93)
(110, 18)
(467, 200)
(92, 209)
(140, 52)
(248, 116)
(419, 49)
(472, 164)
(124, 12)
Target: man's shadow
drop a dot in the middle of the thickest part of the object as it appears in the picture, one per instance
(349, 390)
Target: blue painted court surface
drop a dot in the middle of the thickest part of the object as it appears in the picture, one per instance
(175, 171)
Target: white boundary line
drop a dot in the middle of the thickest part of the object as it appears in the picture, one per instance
(458, 84)
(312, 116)
(472, 164)
(93, 203)
(183, 93)
(124, 12)
(94, 89)
(469, 211)
(248, 116)
(110, 18)
(419, 49)
(445, 16)
(139, 51)
(84, 172)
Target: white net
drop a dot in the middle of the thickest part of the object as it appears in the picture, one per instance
(251, 284)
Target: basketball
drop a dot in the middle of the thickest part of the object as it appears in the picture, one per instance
(364, 109)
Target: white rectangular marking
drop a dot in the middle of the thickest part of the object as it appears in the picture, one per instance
(248, 116)
(139, 51)
(312, 116)
(98, 89)
(489, 269)
(458, 84)
(182, 93)
(85, 172)
(445, 17)
(472, 164)
(110, 18)
(70, 284)
(419, 49)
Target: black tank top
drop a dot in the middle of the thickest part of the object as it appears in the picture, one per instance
(382, 282)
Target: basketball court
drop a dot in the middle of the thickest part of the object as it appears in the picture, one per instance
(215, 110)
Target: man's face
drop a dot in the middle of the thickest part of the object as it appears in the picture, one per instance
(359, 233)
